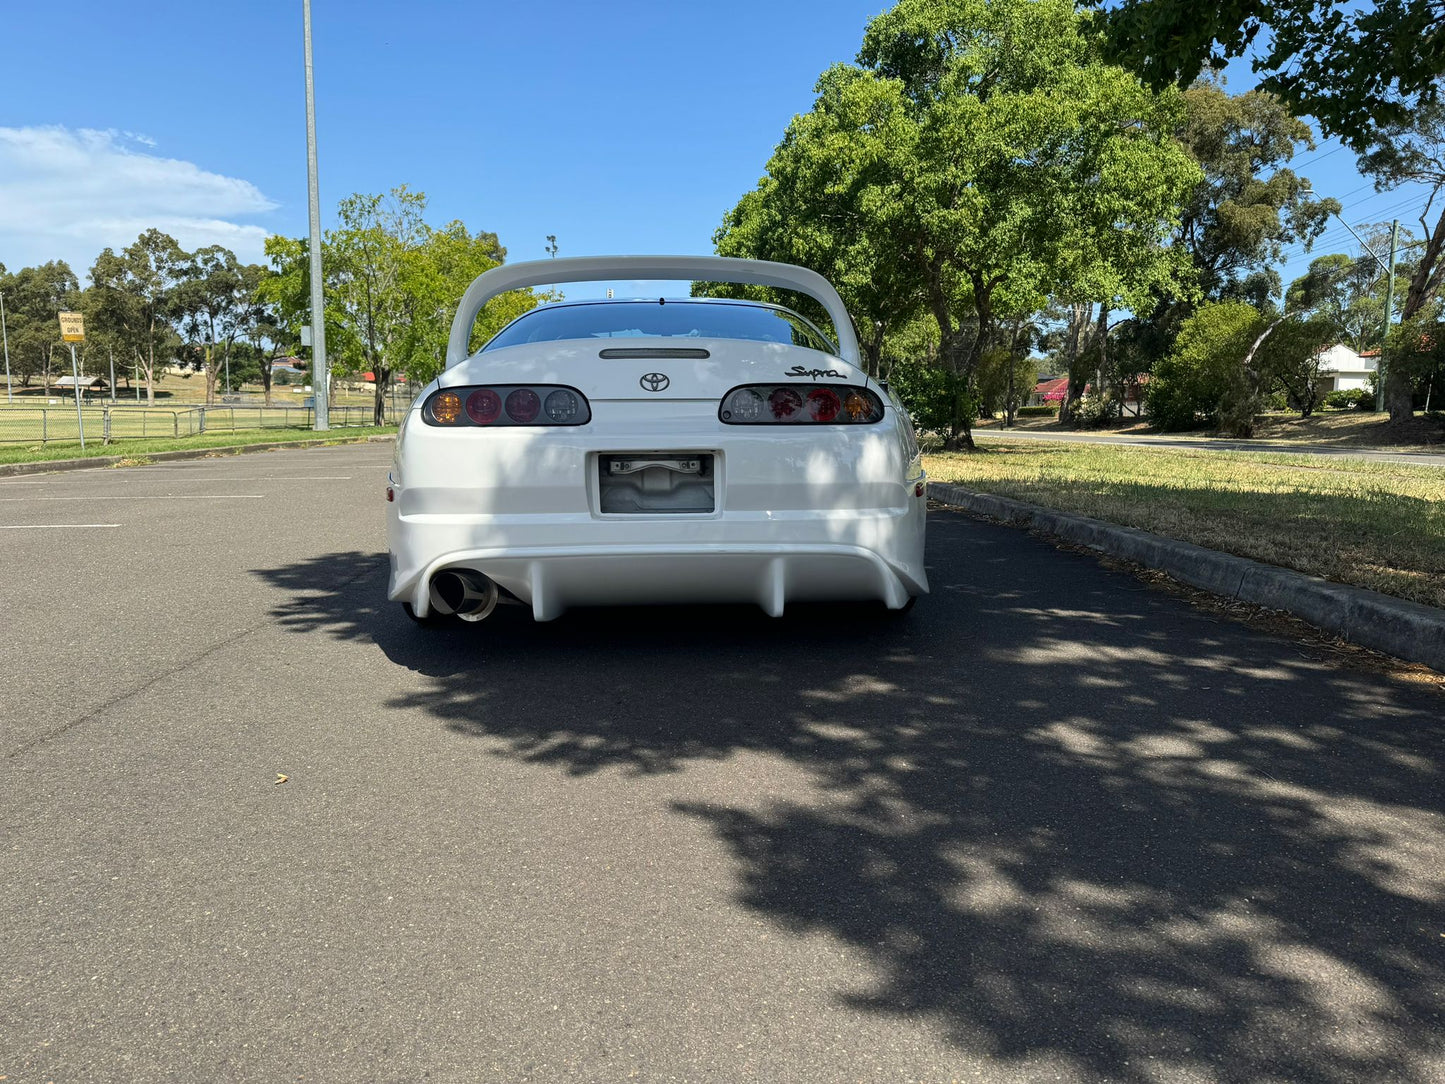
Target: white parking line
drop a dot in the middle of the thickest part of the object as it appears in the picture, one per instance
(142, 497)
(49, 526)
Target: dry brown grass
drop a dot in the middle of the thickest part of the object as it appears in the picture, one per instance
(1333, 428)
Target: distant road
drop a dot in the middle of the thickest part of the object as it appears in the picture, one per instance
(1212, 445)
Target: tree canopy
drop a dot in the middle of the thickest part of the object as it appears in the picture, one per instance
(1350, 67)
(979, 158)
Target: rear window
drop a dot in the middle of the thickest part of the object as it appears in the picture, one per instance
(669, 320)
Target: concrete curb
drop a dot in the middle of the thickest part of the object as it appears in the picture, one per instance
(1407, 630)
(45, 466)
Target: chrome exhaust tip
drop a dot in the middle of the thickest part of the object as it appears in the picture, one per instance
(464, 592)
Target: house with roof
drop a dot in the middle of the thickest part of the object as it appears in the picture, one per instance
(1342, 369)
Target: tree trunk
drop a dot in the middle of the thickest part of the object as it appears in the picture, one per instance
(1399, 388)
(210, 374)
(873, 352)
(1008, 395)
(378, 409)
(150, 369)
(1103, 352)
(1399, 395)
(1081, 316)
(1238, 417)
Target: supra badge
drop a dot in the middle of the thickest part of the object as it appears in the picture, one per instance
(654, 381)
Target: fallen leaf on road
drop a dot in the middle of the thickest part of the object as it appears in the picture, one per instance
(281, 778)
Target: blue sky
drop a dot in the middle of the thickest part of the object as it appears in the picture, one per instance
(630, 126)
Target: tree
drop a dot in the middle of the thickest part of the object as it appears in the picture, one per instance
(261, 323)
(1192, 383)
(103, 348)
(211, 300)
(393, 284)
(1249, 204)
(435, 274)
(1293, 357)
(33, 298)
(1349, 67)
(1413, 150)
(978, 158)
(370, 249)
(822, 184)
(1345, 291)
(137, 299)
(1246, 207)
(285, 290)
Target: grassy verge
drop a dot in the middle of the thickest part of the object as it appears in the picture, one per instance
(1332, 428)
(1375, 525)
(139, 449)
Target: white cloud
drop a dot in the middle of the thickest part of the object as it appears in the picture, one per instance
(68, 193)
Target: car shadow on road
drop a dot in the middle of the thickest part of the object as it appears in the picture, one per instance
(1080, 826)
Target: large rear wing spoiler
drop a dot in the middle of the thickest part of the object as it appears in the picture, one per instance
(518, 276)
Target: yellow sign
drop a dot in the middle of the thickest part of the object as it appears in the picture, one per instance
(72, 327)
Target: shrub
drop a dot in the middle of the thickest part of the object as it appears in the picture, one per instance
(1037, 411)
(1191, 384)
(936, 398)
(1094, 411)
(1353, 399)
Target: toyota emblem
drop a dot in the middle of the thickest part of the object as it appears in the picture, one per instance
(654, 381)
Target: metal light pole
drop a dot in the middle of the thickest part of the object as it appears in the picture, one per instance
(319, 371)
(9, 395)
(111, 351)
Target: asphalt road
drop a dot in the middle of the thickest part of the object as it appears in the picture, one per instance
(1214, 444)
(1054, 825)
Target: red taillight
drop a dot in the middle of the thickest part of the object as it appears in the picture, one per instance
(785, 403)
(800, 404)
(824, 404)
(506, 405)
(523, 405)
(484, 406)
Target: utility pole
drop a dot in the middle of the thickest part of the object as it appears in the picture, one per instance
(9, 395)
(1389, 315)
(319, 372)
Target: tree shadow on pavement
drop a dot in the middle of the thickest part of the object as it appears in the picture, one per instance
(1079, 825)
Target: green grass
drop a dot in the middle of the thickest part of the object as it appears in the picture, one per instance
(139, 449)
(1375, 525)
(175, 390)
(36, 424)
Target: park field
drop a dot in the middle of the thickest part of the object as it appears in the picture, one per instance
(1378, 525)
(139, 449)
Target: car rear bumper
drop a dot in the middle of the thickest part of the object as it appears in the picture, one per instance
(832, 558)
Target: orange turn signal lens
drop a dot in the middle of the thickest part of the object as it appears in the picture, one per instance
(857, 406)
(446, 407)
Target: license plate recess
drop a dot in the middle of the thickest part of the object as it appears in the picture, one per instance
(652, 483)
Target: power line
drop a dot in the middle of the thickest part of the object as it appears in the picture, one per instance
(1315, 158)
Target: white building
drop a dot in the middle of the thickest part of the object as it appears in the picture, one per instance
(1341, 369)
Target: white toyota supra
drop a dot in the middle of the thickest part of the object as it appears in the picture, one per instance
(689, 450)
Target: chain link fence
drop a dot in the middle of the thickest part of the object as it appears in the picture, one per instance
(105, 422)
